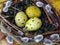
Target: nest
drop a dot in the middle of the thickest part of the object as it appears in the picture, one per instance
(51, 23)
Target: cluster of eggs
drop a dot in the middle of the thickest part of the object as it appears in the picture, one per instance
(31, 24)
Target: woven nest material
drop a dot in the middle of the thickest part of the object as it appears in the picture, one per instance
(49, 24)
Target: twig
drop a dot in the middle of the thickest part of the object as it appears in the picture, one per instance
(15, 8)
(15, 27)
(14, 14)
(55, 43)
(48, 33)
(45, 12)
(50, 17)
(7, 16)
(47, 16)
(53, 19)
(48, 1)
(11, 35)
(58, 40)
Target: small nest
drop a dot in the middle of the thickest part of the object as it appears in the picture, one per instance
(7, 18)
